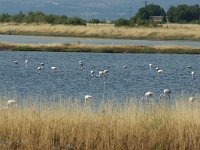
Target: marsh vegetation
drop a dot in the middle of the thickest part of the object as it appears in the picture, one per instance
(111, 126)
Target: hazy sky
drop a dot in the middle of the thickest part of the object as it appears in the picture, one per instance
(102, 9)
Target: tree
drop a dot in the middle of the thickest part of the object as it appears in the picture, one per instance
(5, 18)
(144, 14)
(121, 22)
(19, 17)
(183, 13)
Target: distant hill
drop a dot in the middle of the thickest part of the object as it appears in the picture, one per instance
(87, 9)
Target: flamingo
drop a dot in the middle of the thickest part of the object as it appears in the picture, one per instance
(39, 68)
(147, 96)
(81, 64)
(105, 71)
(159, 71)
(16, 62)
(92, 73)
(42, 64)
(26, 63)
(191, 99)
(88, 99)
(101, 74)
(150, 66)
(10, 104)
(192, 73)
(189, 67)
(53, 68)
(166, 92)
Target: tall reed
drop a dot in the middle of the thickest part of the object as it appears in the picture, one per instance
(110, 126)
(164, 32)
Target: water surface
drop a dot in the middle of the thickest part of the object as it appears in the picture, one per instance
(20, 80)
(98, 41)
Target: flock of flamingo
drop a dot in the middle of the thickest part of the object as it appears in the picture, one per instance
(148, 96)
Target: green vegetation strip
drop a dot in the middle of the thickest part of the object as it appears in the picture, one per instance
(99, 48)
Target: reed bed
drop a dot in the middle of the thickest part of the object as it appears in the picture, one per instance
(163, 32)
(110, 126)
(99, 48)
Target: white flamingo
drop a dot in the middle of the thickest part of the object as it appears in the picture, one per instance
(159, 71)
(39, 68)
(105, 71)
(191, 99)
(92, 73)
(11, 104)
(26, 63)
(42, 64)
(88, 100)
(192, 73)
(150, 66)
(53, 68)
(81, 64)
(16, 62)
(189, 67)
(147, 96)
(166, 93)
(101, 74)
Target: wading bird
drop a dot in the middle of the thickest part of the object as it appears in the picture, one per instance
(92, 73)
(159, 71)
(81, 64)
(150, 66)
(166, 93)
(191, 99)
(148, 96)
(88, 100)
(189, 67)
(39, 68)
(53, 68)
(192, 73)
(16, 62)
(42, 64)
(11, 104)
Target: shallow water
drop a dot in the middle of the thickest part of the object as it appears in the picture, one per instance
(21, 81)
(98, 41)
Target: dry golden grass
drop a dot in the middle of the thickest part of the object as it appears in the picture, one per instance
(130, 126)
(167, 31)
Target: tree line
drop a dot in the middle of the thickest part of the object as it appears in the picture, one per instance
(175, 14)
(40, 17)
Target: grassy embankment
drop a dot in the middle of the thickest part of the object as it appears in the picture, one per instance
(110, 128)
(165, 32)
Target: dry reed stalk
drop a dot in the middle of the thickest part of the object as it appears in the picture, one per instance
(167, 31)
(131, 126)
